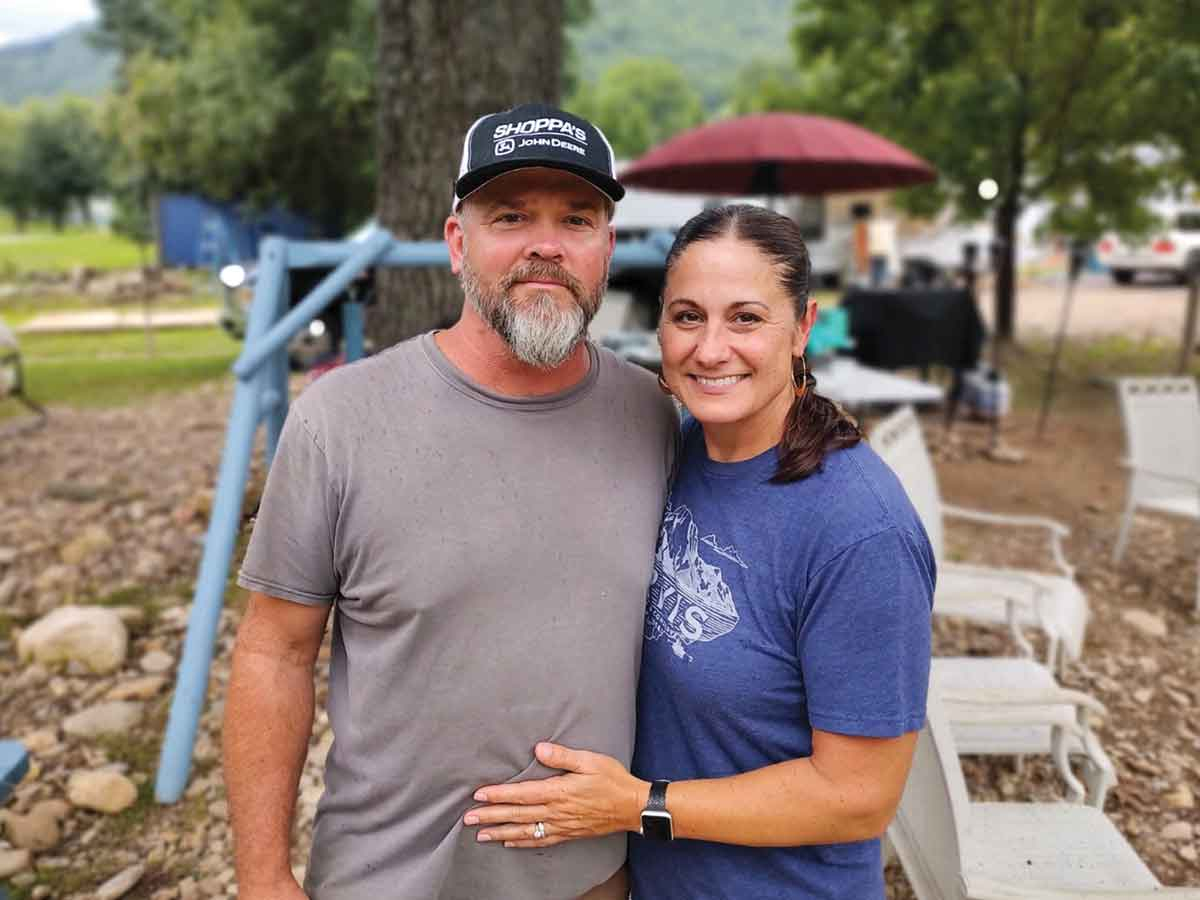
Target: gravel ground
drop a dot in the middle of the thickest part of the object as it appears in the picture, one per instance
(109, 506)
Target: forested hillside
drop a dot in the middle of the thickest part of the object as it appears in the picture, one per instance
(64, 63)
(710, 40)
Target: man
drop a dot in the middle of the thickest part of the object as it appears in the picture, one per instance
(478, 507)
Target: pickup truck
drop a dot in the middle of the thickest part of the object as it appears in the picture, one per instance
(1170, 252)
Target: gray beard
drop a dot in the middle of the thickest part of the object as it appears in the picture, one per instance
(538, 331)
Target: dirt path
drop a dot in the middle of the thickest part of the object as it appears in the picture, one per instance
(1144, 309)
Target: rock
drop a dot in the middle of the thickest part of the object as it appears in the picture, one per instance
(33, 675)
(112, 717)
(94, 541)
(102, 790)
(39, 829)
(157, 662)
(1179, 698)
(121, 883)
(1177, 831)
(14, 861)
(41, 892)
(1145, 622)
(40, 741)
(1148, 664)
(9, 585)
(130, 615)
(149, 565)
(93, 635)
(1188, 852)
(1003, 453)
(1142, 696)
(188, 890)
(1180, 798)
(138, 689)
(54, 577)
(8, 555)
(76, 492)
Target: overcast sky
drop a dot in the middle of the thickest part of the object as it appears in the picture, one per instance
(21, 20)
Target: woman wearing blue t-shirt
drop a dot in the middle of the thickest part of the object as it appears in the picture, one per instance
(787, 637)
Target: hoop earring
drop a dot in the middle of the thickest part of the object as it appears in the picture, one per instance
(663, 386)
(801, 388)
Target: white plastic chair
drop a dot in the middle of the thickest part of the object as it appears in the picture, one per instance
(1162, 438)
(953, 849)
(1014, 707)
(1019, 598)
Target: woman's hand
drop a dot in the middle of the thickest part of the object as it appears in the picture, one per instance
(596, 796)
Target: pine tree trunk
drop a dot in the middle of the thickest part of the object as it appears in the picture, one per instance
(441, 65)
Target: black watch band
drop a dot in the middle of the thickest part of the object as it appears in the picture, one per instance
(656, 820)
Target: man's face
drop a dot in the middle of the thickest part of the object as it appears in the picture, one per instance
(532, 249)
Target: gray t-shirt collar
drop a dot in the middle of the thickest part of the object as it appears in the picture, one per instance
(454, 377)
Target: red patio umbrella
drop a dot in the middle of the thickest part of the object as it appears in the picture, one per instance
(774, 154)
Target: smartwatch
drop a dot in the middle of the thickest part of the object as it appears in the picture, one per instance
(656, 821)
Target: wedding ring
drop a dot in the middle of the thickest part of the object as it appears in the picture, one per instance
(539, 830)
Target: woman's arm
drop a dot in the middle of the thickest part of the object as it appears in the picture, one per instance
(848, 790)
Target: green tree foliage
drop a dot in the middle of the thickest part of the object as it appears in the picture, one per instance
(52, 157)
(1049, 97)
(255, 101)
(14, 188)
(638, 103)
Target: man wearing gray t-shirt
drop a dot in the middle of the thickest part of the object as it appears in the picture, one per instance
(478, 507)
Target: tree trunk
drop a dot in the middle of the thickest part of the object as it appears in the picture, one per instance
(1005, 227)
(441, 65)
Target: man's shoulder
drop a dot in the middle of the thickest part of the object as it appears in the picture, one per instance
(347, 392)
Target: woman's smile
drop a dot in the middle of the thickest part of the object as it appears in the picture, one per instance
(710, 384)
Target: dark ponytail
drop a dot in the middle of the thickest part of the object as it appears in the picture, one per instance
(815, 425)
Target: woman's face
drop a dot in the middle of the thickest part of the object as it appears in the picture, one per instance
(729, 333)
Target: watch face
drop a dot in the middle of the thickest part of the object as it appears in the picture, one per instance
(656, 825)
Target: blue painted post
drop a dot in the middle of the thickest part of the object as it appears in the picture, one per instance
(333, 284)
(191, 684)
(352, 330)
(274, 406)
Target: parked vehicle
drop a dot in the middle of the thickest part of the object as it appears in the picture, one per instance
(1168, 253)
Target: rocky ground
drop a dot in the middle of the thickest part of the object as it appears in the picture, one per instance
(106, 509)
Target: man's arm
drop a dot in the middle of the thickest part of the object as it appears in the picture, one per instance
(268, 721)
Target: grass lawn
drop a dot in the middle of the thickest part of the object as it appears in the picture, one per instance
(114, 369)
(42, 249)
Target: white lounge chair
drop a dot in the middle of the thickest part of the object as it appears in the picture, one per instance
(1019, 598)
(953, 849)
(1162, 438)
(1014, 707)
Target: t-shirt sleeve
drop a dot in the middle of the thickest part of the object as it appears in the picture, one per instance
(864, 637)
(291, 551)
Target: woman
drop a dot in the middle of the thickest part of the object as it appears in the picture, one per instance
(786, 653)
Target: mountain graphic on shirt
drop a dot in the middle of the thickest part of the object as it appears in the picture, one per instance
(689, 600)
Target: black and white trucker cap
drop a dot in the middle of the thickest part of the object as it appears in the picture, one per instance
(535, 134)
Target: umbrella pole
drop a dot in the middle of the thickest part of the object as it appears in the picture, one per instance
(1077, 254)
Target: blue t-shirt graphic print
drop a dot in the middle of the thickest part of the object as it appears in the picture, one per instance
(689, 598)
(775, 609)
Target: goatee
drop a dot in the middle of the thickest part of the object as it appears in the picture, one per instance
(538, 330)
